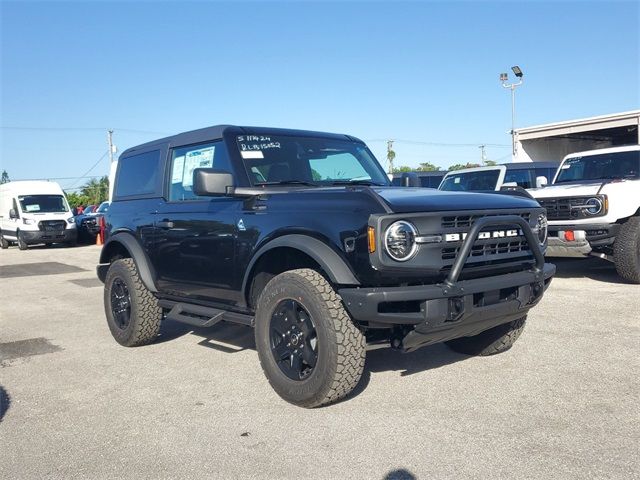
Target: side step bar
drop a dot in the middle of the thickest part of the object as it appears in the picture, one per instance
(199, 316)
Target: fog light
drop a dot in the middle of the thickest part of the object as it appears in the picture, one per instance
(569, 236)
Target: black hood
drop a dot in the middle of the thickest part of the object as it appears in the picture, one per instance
(408, 200)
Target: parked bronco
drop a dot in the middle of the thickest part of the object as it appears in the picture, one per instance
(300, 235)
(593, 208)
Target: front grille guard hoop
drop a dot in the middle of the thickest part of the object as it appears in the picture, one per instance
(493, 221)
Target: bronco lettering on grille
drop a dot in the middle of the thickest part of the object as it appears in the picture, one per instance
(456, 237)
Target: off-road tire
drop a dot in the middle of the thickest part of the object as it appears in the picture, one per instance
(495, 340)
(340, 344)
(22, 245)
(4, 243)
(626, 250)
(145, 314)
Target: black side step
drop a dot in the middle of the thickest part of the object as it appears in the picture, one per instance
(200, 316)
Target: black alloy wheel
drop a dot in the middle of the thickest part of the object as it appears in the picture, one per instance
(293, 340)
(120, 303)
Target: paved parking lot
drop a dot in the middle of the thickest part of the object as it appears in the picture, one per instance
(562, 403)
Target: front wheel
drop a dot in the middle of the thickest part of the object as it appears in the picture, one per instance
(495, 340)
(22, 244)
(133, 314)
(309, 349)
(4, 243)
(626, 250)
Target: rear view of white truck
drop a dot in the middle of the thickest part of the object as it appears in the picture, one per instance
(35, 212)
(593, 208)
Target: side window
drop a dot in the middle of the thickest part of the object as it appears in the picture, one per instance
(138, 174)
(185, 160)
(521, 177)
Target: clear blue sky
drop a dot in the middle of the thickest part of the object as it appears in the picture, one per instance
(418, 71)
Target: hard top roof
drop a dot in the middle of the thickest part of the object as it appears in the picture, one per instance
(216, 132)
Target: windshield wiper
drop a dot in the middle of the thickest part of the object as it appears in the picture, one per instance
(356, 182)
(287, 182)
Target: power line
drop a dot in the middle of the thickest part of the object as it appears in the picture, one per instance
(58, 129)
(88, 171)
(440, 144)
(57, 178)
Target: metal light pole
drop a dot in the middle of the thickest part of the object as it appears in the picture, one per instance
(512, 86)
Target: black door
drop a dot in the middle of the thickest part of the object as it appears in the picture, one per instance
(194, 252)
(194, 246)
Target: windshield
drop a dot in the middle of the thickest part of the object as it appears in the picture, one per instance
(600, 167)
(104, 206)
(470, 181)
(43, 203)
(279, 159)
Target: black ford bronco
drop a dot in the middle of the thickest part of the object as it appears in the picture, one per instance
(301, 236)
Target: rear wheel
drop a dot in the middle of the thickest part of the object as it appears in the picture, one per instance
(495, 340)
(22, 244)
(310, 350)
(133, 314)
(626, 250)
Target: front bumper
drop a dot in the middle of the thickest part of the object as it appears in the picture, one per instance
(51, 236)
(586, 239)
(445, 311)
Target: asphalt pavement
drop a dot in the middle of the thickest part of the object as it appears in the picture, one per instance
(562, 403)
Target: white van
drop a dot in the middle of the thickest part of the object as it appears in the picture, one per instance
(35, 212)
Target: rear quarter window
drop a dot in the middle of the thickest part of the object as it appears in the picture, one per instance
(138, 175)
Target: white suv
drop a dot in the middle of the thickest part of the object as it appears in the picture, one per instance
(593, 208)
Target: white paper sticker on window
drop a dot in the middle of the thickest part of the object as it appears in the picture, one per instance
(252, 154)
(196, 159)
(32, 208)
(178, 169)
(456, 180)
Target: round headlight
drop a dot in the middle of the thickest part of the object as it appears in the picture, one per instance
(542, 229)
(593, 206)
(400, 241)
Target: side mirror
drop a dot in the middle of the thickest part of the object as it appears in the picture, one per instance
(209, 181)
(13, 214)
(410, 179)
(541, 182)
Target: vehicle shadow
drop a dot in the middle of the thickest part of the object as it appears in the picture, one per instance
(232, 338)
(224, 337)
(400, 474)
(593, 268)
(5, 402)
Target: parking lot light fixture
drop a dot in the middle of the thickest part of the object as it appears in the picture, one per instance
(512, 86)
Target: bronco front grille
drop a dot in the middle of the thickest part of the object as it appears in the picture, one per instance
(467, 221)
(489, 249)
(557, 208)
(51, 225)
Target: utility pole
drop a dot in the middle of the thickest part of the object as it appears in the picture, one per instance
(483, 154)
(390, 155)
(111, 149)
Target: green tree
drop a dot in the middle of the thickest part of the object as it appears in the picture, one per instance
(460, 166)
(5, 177)
(93, 192)
(402, 169)
(391, 155)
(427, 167)
(96, 191)
(490, 163)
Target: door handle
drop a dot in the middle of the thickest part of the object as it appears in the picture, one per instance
(164, 224)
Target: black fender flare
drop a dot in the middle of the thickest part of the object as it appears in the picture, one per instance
(136, 252)
(331, 263)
